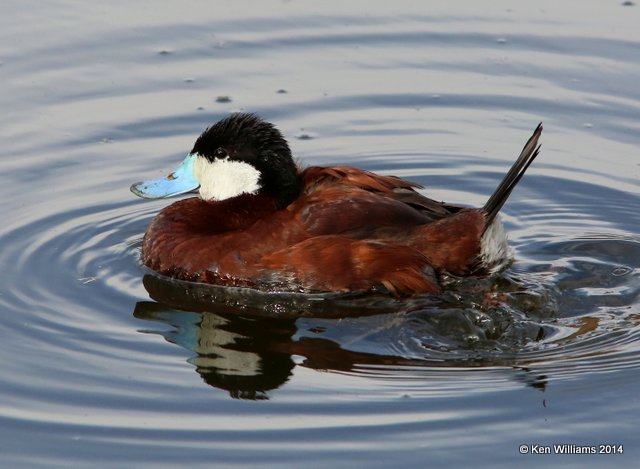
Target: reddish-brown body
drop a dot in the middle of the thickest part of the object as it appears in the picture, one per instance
(348, 230)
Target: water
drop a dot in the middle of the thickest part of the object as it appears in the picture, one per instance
(99, 364)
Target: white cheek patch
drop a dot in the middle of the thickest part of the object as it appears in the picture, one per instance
(224, 179)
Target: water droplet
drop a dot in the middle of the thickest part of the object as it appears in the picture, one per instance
(621, 270)
(223, 99)
(472, 339)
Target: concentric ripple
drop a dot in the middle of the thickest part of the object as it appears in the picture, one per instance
(73, 249)
(565, 307)
(565, 304)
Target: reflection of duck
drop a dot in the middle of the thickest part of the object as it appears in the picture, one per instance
(262, 222)
(249, 355)
(230, 353)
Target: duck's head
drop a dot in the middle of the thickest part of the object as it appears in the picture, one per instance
(241, 154)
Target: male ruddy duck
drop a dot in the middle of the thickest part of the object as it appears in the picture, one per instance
(260, 221)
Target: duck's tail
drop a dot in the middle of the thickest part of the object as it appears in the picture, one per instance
(501, 194)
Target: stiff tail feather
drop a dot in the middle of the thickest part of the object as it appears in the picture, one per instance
(501, 194)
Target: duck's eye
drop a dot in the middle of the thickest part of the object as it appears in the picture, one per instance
(220, 153)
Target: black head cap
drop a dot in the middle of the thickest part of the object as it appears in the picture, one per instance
(246, 137)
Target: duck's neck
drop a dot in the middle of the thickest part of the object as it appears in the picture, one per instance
(210, 217)
(283, 182)
(290, 191)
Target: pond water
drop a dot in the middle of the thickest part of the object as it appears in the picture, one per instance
(103, 364)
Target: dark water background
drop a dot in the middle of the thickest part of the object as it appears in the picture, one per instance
(95, 371)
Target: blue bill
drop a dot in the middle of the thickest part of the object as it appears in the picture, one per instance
(178, 182)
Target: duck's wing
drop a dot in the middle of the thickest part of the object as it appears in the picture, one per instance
(390, 187)
(433, 209)
(316, 176)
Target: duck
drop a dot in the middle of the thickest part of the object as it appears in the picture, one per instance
(260, 220)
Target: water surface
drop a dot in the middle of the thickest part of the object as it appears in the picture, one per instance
(106, 365)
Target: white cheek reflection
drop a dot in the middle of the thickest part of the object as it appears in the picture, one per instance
(224, 179)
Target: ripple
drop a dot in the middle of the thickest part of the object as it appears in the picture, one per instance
(567, 305)
(548, 321)
(75, 273)
(95, 370)
(72, 247)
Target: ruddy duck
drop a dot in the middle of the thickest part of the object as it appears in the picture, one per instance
(261, 221)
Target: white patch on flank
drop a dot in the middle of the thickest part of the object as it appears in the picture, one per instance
(224, 179)
(494, 250)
